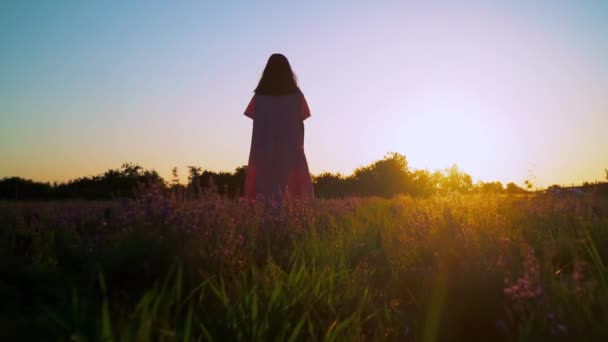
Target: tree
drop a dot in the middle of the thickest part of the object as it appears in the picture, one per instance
(490, 187)
(131, 170)
(16, 188)
(194, 179)
(424, 183)
(455, 179)
(513, 188)
(175, 175)
(240, 175)
(330, 184)
(387, 177)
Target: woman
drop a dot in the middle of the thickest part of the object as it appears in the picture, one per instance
(277, 164)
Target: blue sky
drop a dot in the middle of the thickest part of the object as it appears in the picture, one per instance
(506, 90)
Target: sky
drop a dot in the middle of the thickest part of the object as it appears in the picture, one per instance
(507, 90)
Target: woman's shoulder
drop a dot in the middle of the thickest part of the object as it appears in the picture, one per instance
(284, 101)
(297, 93)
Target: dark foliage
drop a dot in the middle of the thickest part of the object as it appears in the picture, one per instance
(513, 188)
(121, 183)
(387, 177)
(16, 188)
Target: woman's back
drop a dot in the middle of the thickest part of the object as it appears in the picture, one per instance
(280, 118)
(277, 163)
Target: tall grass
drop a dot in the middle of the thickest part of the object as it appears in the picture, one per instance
(455, 267)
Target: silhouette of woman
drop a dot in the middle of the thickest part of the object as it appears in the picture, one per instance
(277, 164)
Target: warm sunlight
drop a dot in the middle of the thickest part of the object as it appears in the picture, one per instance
(460, 136)
(303, 170)
(507, 92)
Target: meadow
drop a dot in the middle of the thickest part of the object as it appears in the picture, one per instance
(179, 267)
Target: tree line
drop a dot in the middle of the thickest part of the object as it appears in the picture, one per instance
(387, 177)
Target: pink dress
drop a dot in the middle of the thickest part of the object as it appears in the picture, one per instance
(277, 164)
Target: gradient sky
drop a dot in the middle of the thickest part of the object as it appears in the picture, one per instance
(507, 90)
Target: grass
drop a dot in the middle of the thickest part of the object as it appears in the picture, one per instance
(166, 268)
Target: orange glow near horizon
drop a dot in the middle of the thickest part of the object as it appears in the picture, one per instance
(506, 92)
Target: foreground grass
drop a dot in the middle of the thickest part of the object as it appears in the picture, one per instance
(459, 267)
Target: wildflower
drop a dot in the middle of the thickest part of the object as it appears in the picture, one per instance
(240, 240)
(527, 286)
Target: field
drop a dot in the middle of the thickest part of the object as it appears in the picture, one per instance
(211, 268)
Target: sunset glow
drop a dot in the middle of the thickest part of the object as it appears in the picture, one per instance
(506, 91)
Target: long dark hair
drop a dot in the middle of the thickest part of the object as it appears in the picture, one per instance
(278, 78)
